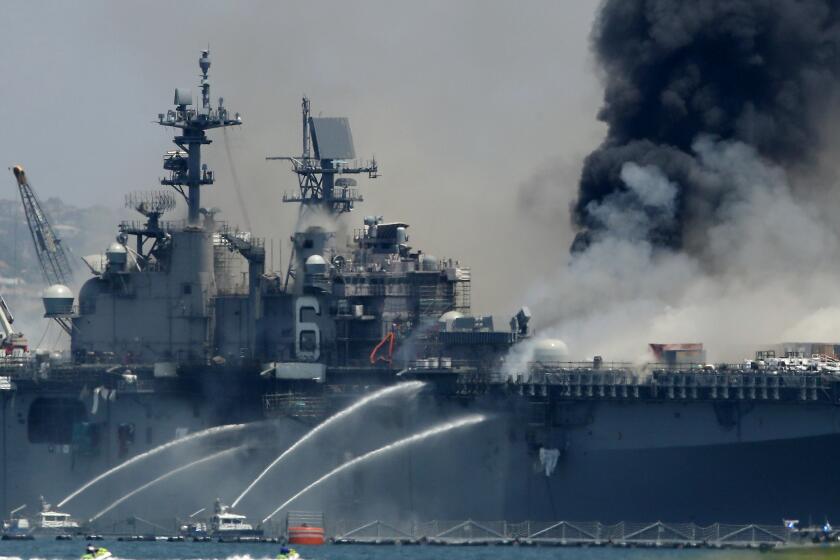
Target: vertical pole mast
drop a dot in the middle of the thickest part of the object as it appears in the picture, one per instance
(305, 111)
(193, 124)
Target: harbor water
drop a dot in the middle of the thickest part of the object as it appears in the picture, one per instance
(72, 550)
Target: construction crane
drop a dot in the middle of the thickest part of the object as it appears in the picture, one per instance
(54, 262)
(11, 343)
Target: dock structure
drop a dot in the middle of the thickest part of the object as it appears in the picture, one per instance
(566, 533)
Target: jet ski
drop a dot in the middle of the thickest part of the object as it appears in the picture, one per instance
(94, 553)
(288, 554)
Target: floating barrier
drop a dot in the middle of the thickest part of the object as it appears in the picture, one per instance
(567, 533)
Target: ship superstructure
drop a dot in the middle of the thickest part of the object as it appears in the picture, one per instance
(160, 275)
(335, 303)
(181, 327)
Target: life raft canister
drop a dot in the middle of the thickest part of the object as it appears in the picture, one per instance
(306, 535)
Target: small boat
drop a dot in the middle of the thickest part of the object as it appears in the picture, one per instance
(17, 528)
(94, 553)
(197, 531)
(228, 526)
(288, 554)
(52, 522)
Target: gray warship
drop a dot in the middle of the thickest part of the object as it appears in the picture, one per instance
(167, 339)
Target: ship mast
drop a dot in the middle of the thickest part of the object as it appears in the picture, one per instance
(319, 184)
(184, 165)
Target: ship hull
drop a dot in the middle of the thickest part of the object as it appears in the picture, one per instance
(674, 461)
(757, 482)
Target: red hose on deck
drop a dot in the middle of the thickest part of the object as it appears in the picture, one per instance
(390, 338)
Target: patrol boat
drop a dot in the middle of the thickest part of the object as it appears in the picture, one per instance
(226, 525)
(52, 522)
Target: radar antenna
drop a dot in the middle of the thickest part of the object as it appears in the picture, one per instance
(152, 204)
(331, 141)
(184, 164)
(55, 265)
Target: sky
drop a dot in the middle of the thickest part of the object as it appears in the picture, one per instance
(479, 114)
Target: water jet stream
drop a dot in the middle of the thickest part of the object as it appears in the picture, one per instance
(439, 429)
(197, 435)
(398, 388)
(163, 477)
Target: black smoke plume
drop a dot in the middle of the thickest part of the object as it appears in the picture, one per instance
(756, 72)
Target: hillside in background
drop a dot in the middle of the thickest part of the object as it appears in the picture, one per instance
(83, 231)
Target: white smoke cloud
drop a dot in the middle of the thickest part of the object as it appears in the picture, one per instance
(761, 274)
(650, 199)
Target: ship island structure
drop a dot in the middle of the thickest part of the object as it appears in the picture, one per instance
(166, 339)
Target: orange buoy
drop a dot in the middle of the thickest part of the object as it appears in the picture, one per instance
(303, 534)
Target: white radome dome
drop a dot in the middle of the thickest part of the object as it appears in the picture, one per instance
(551, 350)
(116, 254)
(57, 291)
(315, 264)
(116, 248)
(448, 318)
(428, 262)
(57, 300)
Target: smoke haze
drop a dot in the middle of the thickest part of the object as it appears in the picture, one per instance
(704, 212)
(702, 216)
(457, 101)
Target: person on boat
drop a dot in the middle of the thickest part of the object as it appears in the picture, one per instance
(91, 553)
(288, 554)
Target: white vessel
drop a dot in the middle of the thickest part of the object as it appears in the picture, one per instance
(50, 521)
(16, 529)
(228, 525)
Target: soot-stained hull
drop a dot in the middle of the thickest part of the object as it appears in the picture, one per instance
(758, 482)
(649, 461)
(615, 461)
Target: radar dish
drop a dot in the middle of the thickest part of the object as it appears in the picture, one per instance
(331, 138)
(150, 203)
